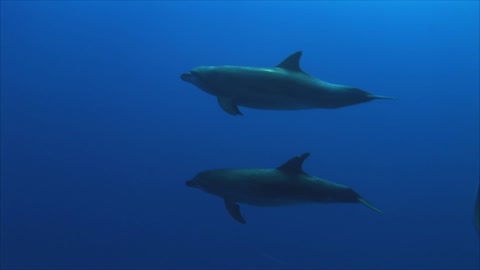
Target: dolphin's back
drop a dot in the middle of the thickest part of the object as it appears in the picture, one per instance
(274, 88)
(273, 187)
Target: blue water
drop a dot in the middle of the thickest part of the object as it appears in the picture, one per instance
(99, 135)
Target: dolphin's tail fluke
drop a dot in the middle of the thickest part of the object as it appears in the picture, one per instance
(380, 97)
(369, 205)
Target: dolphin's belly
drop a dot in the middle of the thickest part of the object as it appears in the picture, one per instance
(272, 187)
(264, 96)
(268, 188)
(272, 102)
(256, 196)
(272, 202)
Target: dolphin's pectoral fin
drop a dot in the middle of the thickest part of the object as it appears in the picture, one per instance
(228, 106)
(234, 210)
(294, 165)
(292, 62)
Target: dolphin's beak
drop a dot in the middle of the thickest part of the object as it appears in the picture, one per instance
(195, 184)
(186, 76)
(189, 77)
(190, 183)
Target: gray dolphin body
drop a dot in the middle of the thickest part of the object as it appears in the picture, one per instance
(284, 87)
(287, 184)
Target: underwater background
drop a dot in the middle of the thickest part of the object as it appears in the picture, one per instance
(99, 134)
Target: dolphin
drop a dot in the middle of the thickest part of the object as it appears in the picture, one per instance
(286, 184)
(283, 87)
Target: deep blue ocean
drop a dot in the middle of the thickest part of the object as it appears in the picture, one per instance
(99, 135)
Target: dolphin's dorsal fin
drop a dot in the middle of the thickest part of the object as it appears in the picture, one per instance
(292, 62)
(294, 165)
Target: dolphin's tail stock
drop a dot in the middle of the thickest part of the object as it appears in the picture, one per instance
(380, 97)
(369, 205)
(350, 195)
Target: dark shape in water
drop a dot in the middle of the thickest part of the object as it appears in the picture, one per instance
(287, 184)
(284, 87)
